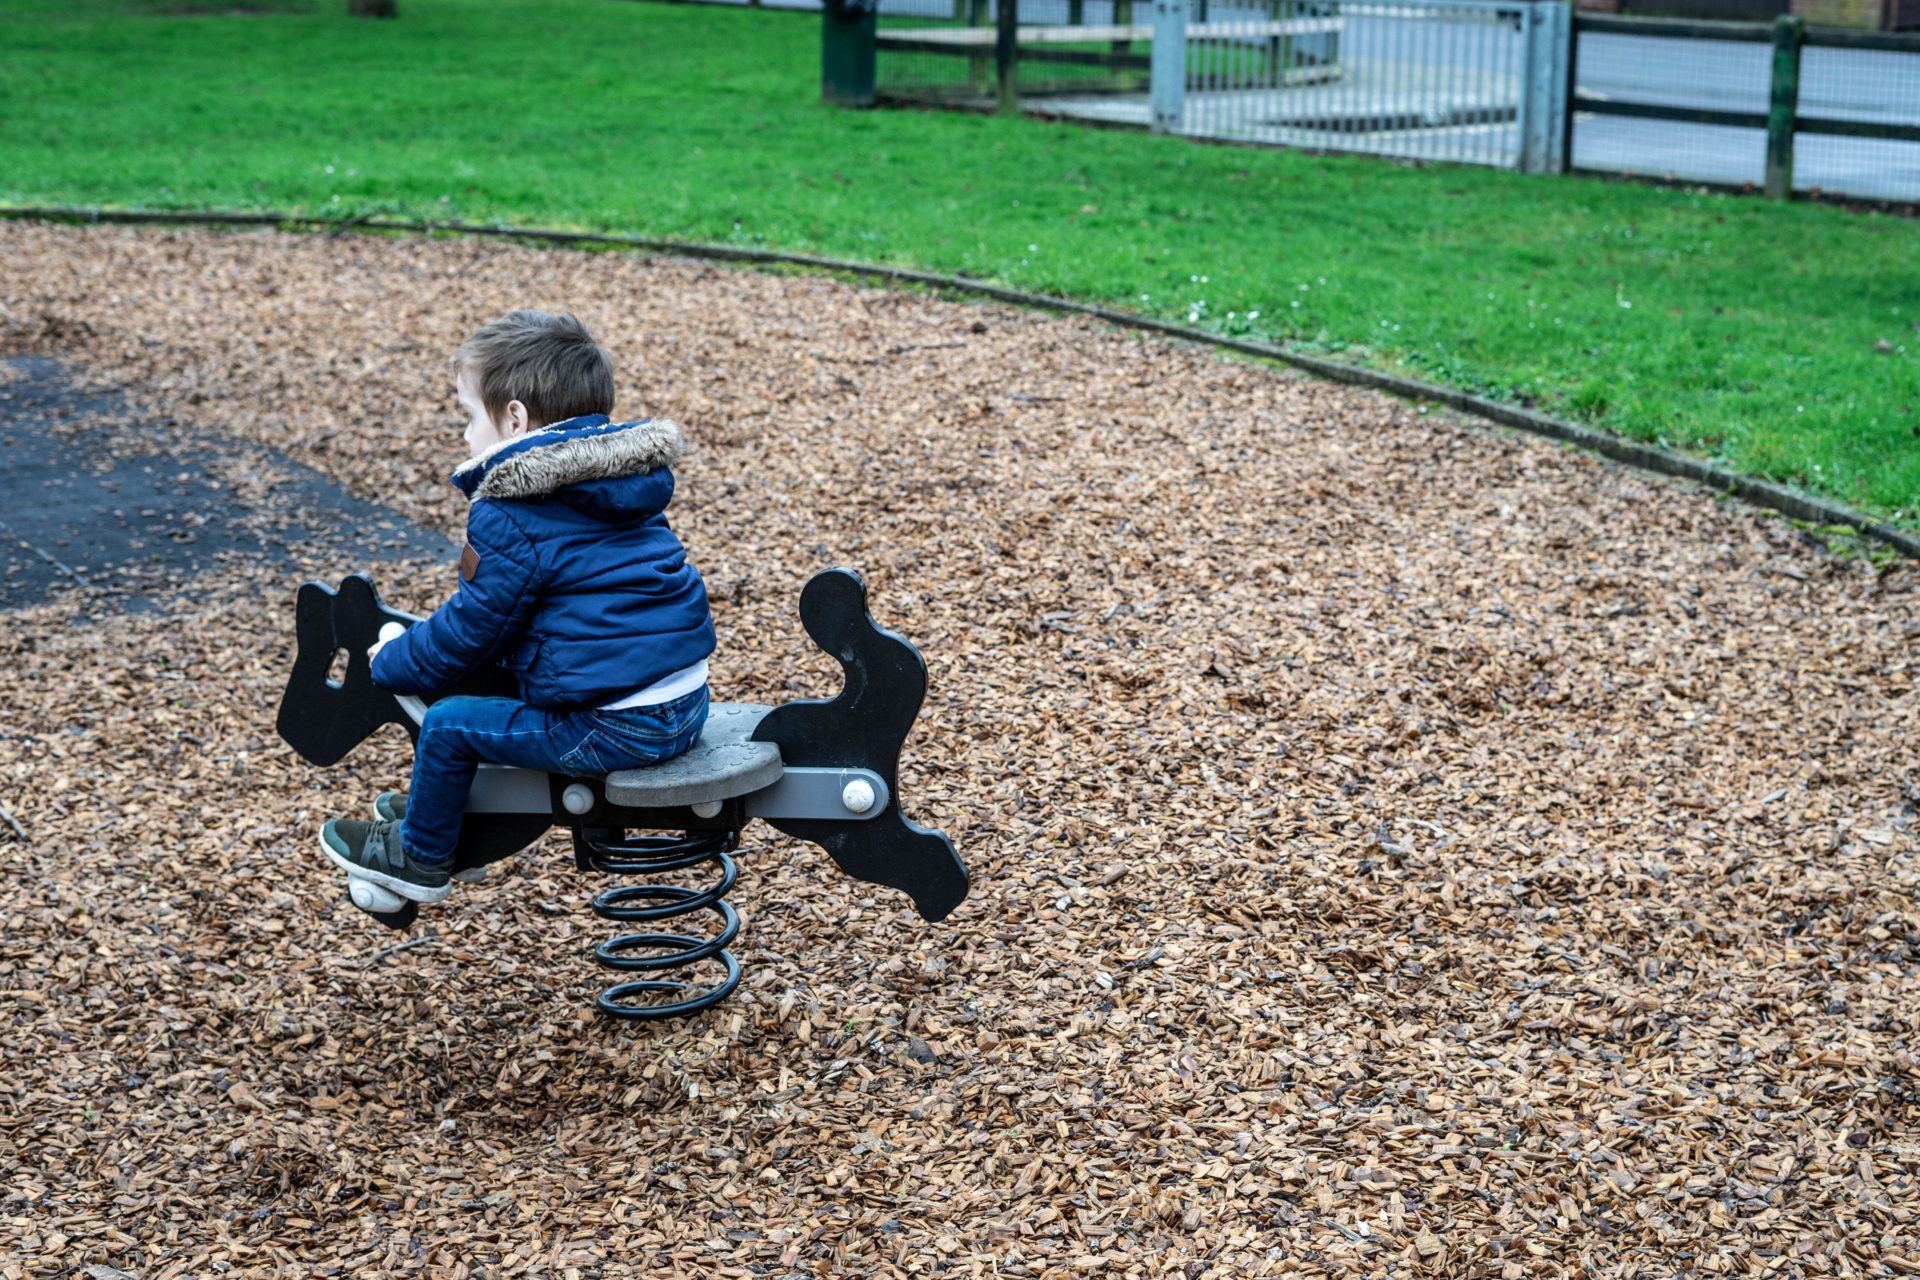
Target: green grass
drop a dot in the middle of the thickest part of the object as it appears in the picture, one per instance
(1779, 339)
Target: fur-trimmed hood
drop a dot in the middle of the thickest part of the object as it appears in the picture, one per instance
(613, 472)
(578, 450)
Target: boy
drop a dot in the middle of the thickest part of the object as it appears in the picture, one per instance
(570, 579)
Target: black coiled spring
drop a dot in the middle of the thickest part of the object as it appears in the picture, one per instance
(615, 853)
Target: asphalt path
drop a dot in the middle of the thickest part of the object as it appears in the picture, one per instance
(132, 511)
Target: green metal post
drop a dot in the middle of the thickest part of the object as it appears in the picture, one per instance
(847, 56)
(1076, 13)
(1784, 103)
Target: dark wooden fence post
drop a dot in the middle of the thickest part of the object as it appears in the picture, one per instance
(1573, 89)
(1005, 55)
(1783, 104)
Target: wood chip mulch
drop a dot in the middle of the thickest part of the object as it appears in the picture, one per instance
(1399, 848)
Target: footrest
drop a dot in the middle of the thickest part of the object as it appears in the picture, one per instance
(723, 764)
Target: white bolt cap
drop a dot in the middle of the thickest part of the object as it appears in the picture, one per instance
(706, 809)
(578, 798)
(391, 631)
(857, 796)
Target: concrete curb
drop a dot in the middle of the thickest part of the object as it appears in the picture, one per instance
(1644, 457)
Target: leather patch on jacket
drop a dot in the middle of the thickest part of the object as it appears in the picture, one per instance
(469, 562)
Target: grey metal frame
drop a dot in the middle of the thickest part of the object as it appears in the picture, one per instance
(1167, 92)
(1543, 88)
(799, 793)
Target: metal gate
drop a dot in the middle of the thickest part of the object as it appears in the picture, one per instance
(1471, 81)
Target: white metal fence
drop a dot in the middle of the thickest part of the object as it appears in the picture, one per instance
(1470, 81)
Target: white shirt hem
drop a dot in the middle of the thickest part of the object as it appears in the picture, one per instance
(666, 689)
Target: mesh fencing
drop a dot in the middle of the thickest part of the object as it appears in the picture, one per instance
(938, 51)
(943, 51)
(1844, 85)
(1703, 75)
(1867, 86)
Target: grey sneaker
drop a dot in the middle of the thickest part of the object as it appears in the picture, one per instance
(371, 851)
(392, 806)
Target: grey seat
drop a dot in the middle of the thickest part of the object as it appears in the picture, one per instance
(723, 764)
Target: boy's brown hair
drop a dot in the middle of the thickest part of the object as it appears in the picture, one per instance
(544, 359)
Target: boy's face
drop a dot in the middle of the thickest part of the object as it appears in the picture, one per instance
(482, 432)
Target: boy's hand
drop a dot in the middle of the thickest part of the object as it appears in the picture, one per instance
(391, 631)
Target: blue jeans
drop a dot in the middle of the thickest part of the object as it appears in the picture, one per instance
(461, 733)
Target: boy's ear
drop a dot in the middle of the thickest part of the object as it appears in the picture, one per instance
(516, 419)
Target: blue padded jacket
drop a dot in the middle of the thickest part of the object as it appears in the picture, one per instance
(570, 578)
